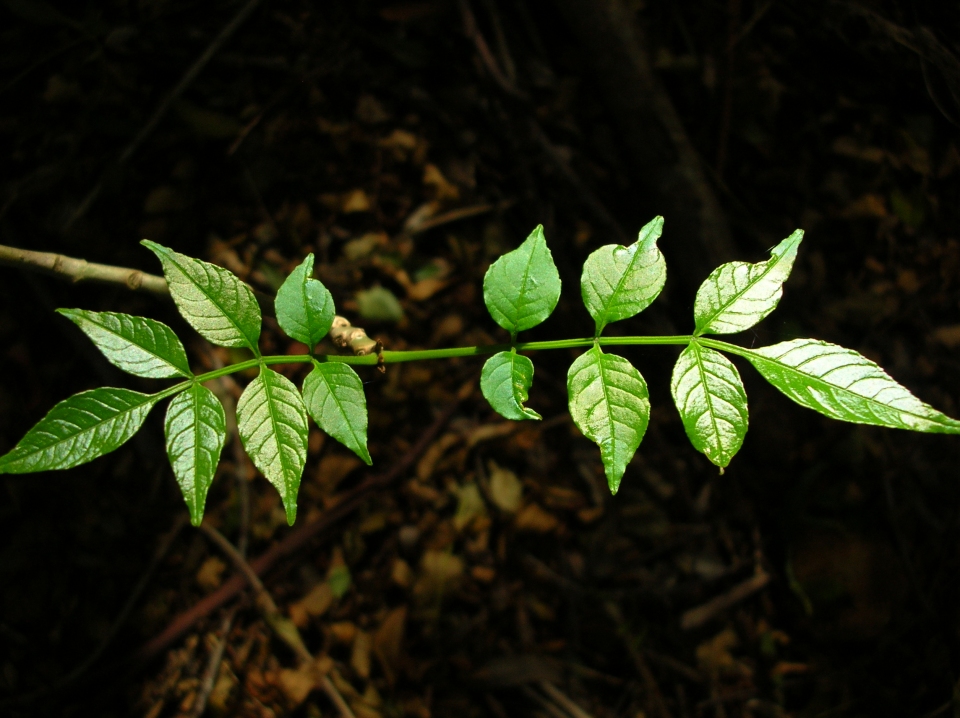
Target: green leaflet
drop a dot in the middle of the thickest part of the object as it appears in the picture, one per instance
(710, 397)
(842, 384)
(610, 404)
(79, 429)
(195, 428)
(737, 295)
(505, 381)
(619, 282)
(522, 288)
(272, 422)
(140, 346)
(214, 302)
(304, 306)
(334, 396)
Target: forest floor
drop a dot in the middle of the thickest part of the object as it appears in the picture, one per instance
(481, 567)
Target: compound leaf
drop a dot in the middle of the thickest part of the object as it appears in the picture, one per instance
(845, 385)
(619, 282)
(212, 299)
(196, 430)
(710, 397)
(505, 381)
(737, 295)
(272, 421)
(79, 429)
(522, 288)
(140, 346)
(610, 404)
(304, 306)
(334, 396)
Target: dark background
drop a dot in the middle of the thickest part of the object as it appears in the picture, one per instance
(324, 127)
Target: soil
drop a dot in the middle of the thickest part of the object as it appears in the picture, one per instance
(481, 567)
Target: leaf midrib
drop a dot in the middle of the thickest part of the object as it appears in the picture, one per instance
(769, 266)
(604, 320)
(85, 317)
(817, 382)
(340, 408)
(709, 398)
(173, 259)
(147, 398)
(267, 386)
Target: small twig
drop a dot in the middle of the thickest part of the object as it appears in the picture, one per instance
(733, 34)
(285, 630)
(334, 695)
(696, 617)
(188, 77)
(563, 700)
(500, 37)
(456, 215)
(80, 270)
(282, 627)
(471, 30)
(587, 196)
(545, 703)
(163, 548)
(351, 501)
(655, 702)
(213, 666)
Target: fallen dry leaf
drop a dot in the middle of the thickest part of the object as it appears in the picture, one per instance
(343, 631)
(401, 573)
(388, 641)
(949, 336)
(444, 190)
(360, 656)
(469, 506)
(210, 574)
(506, 490)
(439, 571)
(533, 518)
(315, 603)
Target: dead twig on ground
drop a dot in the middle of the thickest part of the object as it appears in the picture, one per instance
(655, 703)
(300, 536)
(188, 77)
(283, 627)
(696, 617)
(213, 665)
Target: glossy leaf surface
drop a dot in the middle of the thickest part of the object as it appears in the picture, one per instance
(522, 288)
(712, 402)
(737, 295)
(140, 346)
(610, 404)
(619, 282)
(845, 385)
(505, 381)
(212, 299)
(334, 396)
(272, 422)
(79, 429)
(304, 306)
(195, 429)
